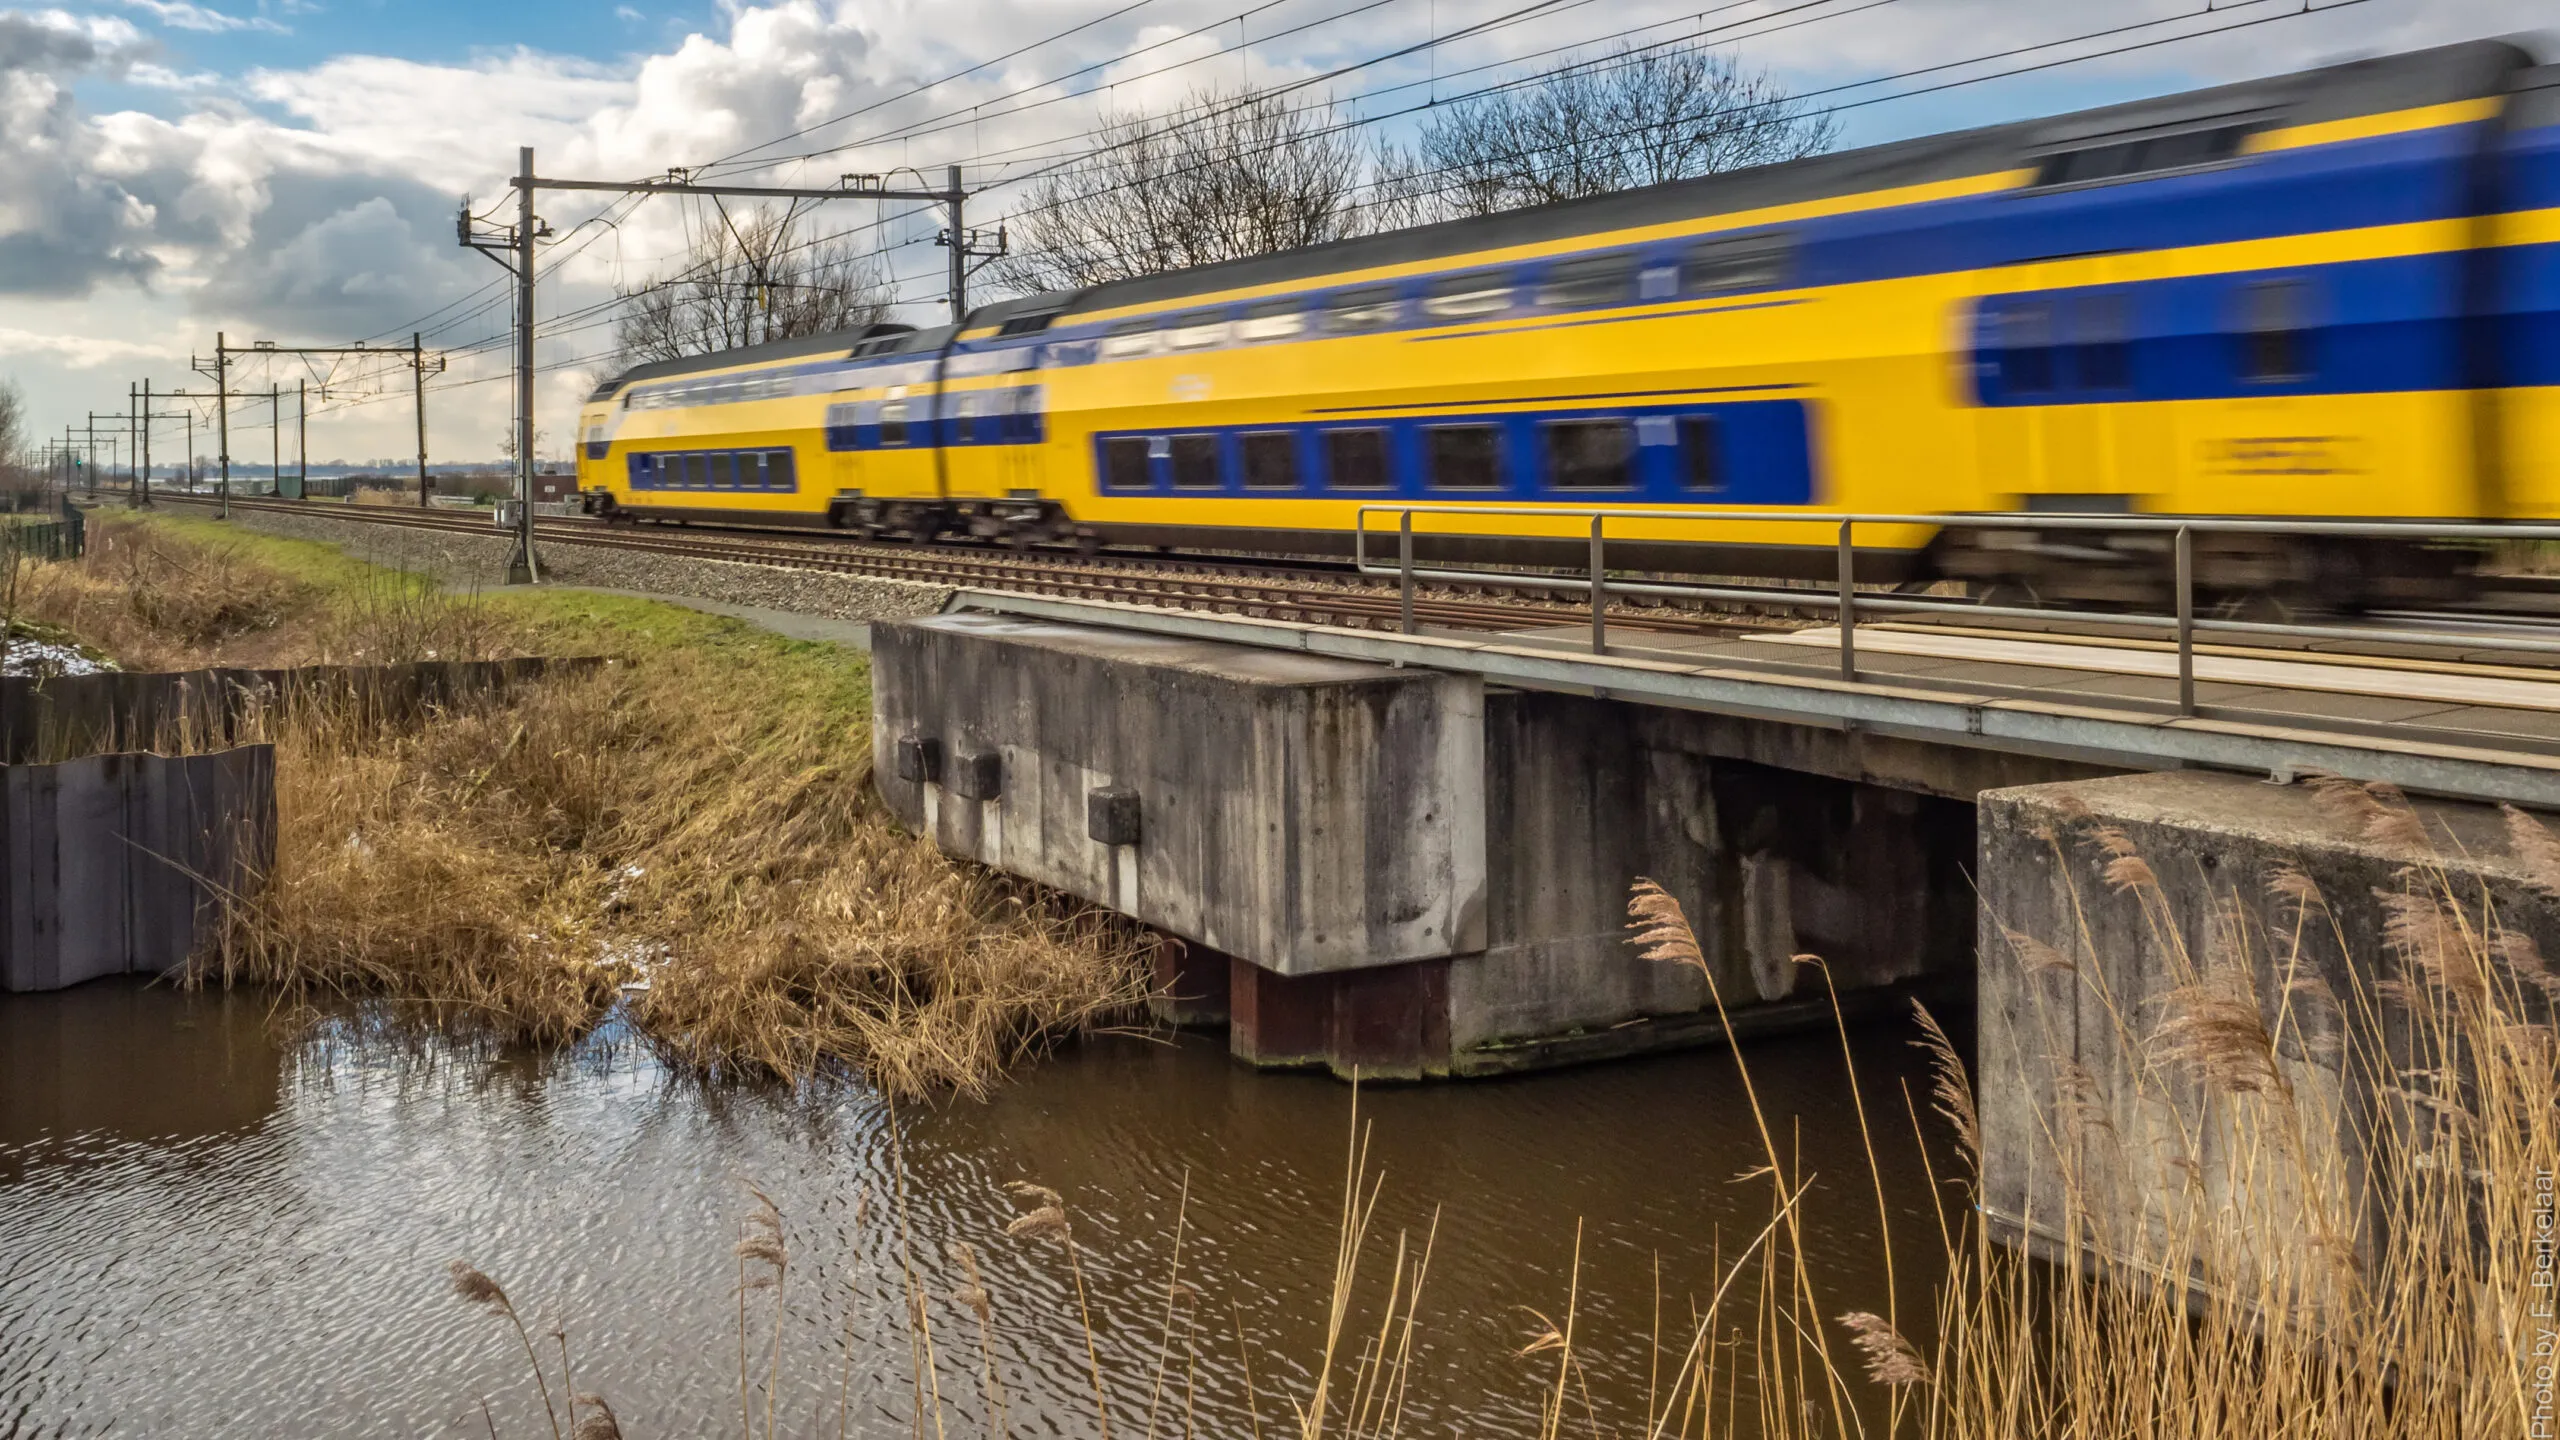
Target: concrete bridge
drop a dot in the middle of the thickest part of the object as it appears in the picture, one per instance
(1410, 853)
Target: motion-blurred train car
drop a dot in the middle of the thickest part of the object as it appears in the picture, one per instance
(2334, 294)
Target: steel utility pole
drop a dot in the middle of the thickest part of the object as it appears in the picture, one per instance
(302, 435)
(418, 378)
(419, 362)
(221, 374)
(512, 247)
(522, 567)
(142, 421)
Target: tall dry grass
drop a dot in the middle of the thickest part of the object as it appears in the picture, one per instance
(685, 838)
(156, 599)
(681, 836)
(2342, 1177)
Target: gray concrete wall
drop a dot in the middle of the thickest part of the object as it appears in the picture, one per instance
(1303, 814)
(1584, 797)
(2109, 908)
(121, 864)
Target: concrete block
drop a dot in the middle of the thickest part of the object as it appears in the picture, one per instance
(2102, 900)
(1304, 814)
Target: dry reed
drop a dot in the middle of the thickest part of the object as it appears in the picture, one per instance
(687, 838)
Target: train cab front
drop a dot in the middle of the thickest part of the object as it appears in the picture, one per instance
(595, 450)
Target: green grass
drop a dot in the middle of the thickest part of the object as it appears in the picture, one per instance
(569, 621)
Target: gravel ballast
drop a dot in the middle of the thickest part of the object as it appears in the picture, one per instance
(481, 561)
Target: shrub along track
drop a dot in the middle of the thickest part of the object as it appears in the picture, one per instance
(1298, 590)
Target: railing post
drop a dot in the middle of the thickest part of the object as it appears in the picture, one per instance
(1848, 606)
(1404, 571)
(1599, 593)
(2186, 624)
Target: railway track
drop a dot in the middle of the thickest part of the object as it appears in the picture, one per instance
(1320, 594)
(1312, 591)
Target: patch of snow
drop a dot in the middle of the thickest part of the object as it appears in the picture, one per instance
(45, 658)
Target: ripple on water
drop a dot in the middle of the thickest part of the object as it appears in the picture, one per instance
(204, 1231)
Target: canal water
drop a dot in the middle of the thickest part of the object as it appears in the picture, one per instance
(209, 1229)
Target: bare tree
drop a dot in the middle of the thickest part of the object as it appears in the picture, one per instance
(13, 432)
(748, 279)
(1635, 117)
(1229, 175)
(1221, 177)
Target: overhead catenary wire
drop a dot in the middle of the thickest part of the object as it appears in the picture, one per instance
(1842, 89)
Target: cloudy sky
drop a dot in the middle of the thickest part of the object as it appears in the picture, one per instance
(288, 170)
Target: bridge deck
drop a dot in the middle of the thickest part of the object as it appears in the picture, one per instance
(2476, 727)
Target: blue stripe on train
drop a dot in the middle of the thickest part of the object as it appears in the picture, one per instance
(1760, 452)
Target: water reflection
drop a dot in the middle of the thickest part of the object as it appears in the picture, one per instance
(202, 1234)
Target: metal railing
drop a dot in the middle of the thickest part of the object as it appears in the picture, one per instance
(1843, 598)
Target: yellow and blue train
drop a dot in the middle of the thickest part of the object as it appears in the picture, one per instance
(2333, 294)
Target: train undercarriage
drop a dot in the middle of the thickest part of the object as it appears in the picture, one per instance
(2132, 570)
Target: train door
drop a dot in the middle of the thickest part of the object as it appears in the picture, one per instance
(2061, 425)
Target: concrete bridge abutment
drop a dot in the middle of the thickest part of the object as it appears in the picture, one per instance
(1410, 872)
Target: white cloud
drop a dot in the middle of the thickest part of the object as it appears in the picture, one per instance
(182, 15)
(81, 352)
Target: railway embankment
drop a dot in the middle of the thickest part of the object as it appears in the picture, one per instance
(469, 561)
(683, 840)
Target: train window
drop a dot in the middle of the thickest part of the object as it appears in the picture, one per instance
(1199, 329)
(1465, 297)
(1273, 320)
(1464, 457)
(1023, 425)
(1195, 462)
(1734, 263)
(778, 471)
(1370, 309)
(2102, 342)
(1129, 338)
(1701, 454)
(1590, 454)
(1125, 463)
(893, 423)
(2026, 348)
(1599, 280)
(2274, 330)
(2117, 159)
(1031, 324)
(1270, 460)
(1356, 459)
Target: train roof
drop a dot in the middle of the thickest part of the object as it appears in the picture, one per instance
(903, 338)
(2464, 71)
